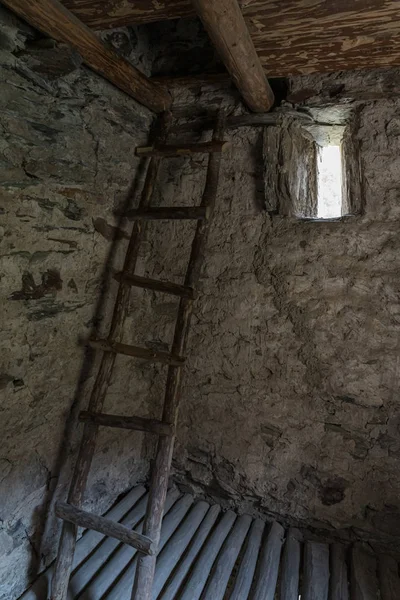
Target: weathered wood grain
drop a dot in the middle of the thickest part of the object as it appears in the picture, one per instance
(339, 580)
(84, 459)
(82, 518)
(290, 567)
(364, 581)
(182, 149)
(118, 561)
(316, 571)
(198, 577)
(90, 544)
(99, 557)
(248, 563)
(224, 23)
(51, 17)
(121, 590)
(268, 568)
(155, 284)
(124, 422)
(170, 556)
(106, 14)
(291, 37)
(160, 472)
(171, 588)
(137, 352)
(219, 578)
(389, 578)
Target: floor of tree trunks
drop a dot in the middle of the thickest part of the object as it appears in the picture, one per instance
(210, 554)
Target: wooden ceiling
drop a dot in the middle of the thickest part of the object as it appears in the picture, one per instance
(290, 36)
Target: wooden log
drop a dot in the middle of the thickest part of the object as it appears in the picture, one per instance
(294, 37)
(159, 478)
(224, 22)
(199, 213)
(170, 556)
(171, 589)
(389, 578)
(128, 511)
(316, 571)
(115, 559)
(182, 149)
(246, 120)
(170, 524)
(102, 554)
(53, 19)
(88, 544)
(221, 572)
(138, 352)
(339, 580)
(198, 577)
(364, 581)
(136, 423)
(82, 518)
(67, 542)
(247, 568)
(154, 284)
(265, 584)
(291, 567)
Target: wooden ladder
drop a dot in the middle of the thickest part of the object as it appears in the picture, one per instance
(71, 513)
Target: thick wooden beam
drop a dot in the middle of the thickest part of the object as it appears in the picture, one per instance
(291, 37)
(53, 19)
(224, 23)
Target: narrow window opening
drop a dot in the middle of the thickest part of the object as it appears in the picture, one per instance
(329, 182)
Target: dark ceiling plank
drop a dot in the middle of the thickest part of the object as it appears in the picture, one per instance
(224, 23)
(105, 14)
(53, 19)
(291, 37)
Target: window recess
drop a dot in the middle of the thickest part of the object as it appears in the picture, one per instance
(312, 171)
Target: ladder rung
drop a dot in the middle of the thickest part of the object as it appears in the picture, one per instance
(137, 423)
(154, 284)
(85, 519)
(138, 352)
(182, 149)
(199, 213)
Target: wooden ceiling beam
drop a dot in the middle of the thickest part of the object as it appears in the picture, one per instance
(224, 23)
(291, 37)
(53, 19)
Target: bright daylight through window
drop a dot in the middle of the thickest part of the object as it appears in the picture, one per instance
(329, 166)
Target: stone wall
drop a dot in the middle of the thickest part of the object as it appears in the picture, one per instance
(291, 395)
(67, 162)
(289, 402)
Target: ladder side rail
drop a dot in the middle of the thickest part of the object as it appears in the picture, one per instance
(142, 587)
(66, 548)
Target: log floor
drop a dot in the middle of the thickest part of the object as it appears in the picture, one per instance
(208, 554)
